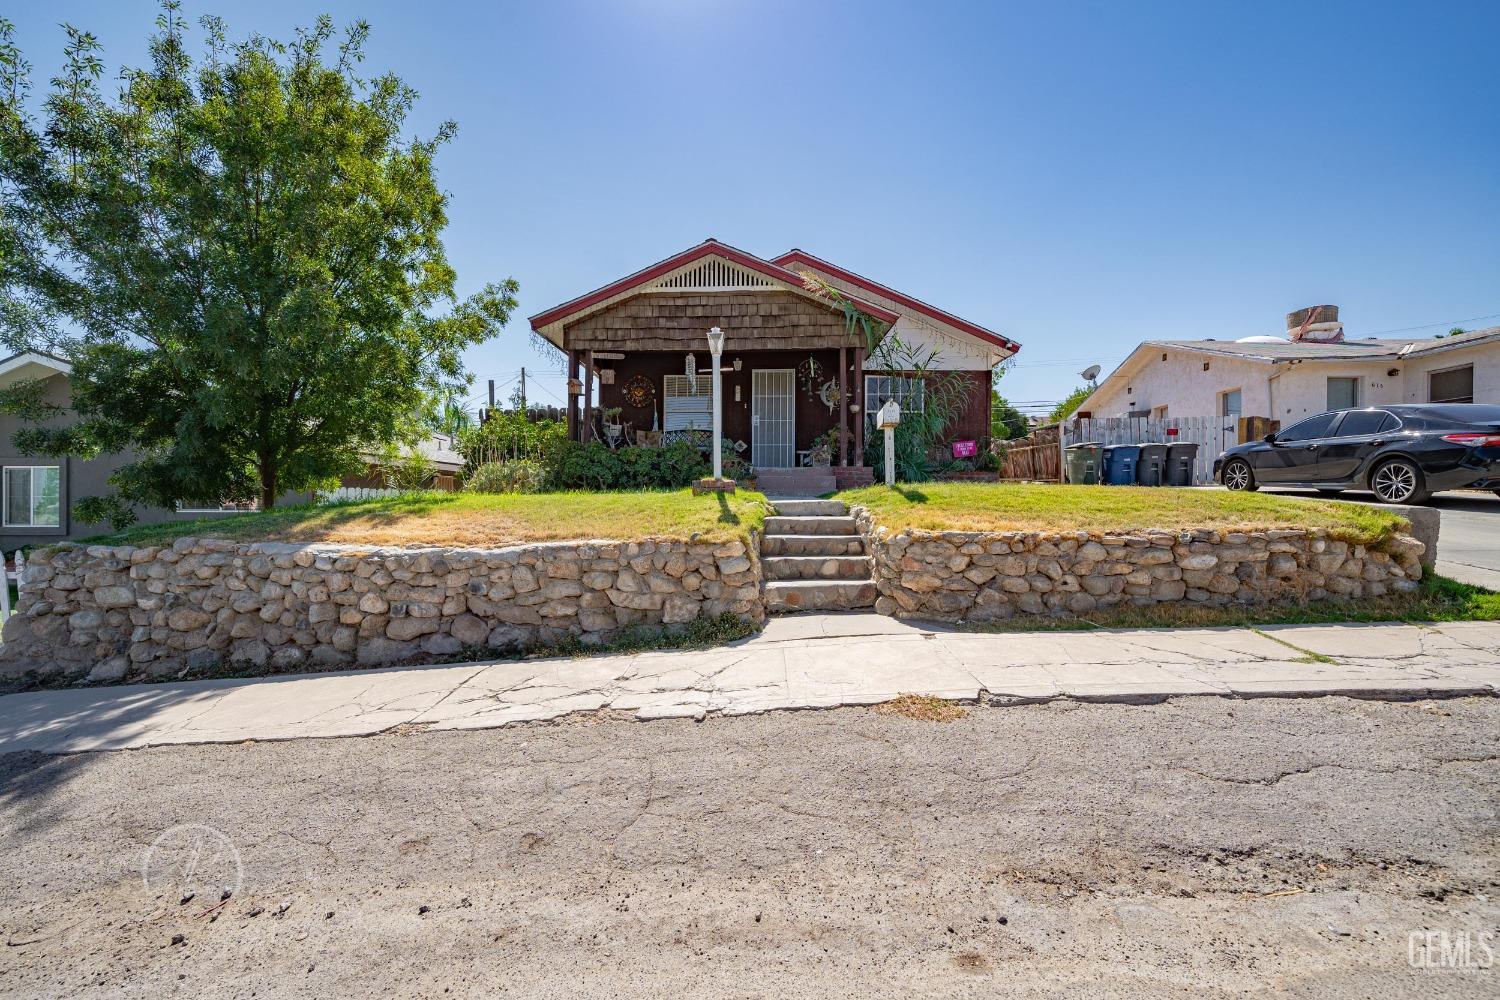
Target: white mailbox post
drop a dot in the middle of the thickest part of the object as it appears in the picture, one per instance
(886, 419)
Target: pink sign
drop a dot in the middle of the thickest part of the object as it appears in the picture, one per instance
(965, 449)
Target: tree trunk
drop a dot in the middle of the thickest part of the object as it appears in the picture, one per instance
(268, 489)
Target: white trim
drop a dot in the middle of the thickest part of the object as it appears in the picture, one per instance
(32, 358)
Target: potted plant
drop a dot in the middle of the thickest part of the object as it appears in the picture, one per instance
(820, 455)
(612, 426)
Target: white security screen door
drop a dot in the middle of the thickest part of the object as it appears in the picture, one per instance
(773, 421)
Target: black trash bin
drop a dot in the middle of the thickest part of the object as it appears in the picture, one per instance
(1181, 457)
(1151, 467)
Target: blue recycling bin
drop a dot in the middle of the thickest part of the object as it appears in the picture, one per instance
(1119, 464)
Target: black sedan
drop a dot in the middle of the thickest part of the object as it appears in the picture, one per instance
(1402, 454)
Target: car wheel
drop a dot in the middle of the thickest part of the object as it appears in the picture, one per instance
(1238, 476)
(1399, 481)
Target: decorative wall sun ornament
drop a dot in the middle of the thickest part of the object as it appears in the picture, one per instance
(810, 374)
(830, 393)
(639, 391)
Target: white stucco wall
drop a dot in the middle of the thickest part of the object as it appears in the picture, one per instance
(1181, 384)
(1484, 357)
(1286, 392)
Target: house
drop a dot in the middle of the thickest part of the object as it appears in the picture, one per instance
(792, 370)
(37, 492)
(1312, 369)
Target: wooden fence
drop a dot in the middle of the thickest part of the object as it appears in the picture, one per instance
(1036, 458)
(1211, 434)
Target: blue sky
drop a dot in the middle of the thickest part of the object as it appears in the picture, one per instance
(1079, 176)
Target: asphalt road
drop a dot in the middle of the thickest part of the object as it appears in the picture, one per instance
(1198, 848)
(1469, 540)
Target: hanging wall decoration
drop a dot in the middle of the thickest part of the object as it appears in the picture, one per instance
(639, 391)
(690, 369)
(810, 374)
(830, 393)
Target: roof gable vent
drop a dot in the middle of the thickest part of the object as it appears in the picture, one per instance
(712, 274)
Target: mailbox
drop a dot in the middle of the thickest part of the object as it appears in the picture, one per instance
(889, 415)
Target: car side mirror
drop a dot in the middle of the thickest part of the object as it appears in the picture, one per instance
(1270, 438)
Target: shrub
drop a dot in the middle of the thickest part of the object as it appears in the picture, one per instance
(518, 476)
(593, 466)
(407, 471)
(508, 435)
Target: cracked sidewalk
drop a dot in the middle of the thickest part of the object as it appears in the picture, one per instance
(800, 661)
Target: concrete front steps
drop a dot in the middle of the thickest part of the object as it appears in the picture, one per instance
(814, 559)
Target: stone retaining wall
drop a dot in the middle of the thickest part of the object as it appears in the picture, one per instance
(112, 613)
(978, 576)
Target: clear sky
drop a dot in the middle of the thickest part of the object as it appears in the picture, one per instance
(1078, 176)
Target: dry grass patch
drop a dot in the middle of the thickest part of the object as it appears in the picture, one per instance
(1045, 507)
(482, 520)
(922, 708)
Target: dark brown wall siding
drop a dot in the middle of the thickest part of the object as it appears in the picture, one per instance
(750, 320)
(813, 418)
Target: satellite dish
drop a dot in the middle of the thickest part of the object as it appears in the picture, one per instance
(1090, 373)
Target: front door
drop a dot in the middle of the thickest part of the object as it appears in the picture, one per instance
(773, 418)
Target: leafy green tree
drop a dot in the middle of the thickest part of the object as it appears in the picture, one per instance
(1006, 422)
(249, 246)
(1073, 401)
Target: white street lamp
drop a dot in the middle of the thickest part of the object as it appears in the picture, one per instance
(716, 348)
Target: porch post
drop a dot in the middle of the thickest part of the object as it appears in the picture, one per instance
(572, 399)
(844, 406)
(859, 395)
(588, 394)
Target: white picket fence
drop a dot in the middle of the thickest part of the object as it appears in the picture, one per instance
(1211, 434)
(10, 574)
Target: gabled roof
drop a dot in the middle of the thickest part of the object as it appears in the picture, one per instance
(792, 258)
(708, 248)
(32, 364)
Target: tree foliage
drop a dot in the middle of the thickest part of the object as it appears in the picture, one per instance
(1074, 399)
(249, 247)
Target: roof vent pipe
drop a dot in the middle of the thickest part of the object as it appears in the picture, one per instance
(1315, 325)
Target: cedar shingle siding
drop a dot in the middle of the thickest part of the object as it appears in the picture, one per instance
(751, 320)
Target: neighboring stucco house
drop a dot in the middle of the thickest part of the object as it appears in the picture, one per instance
(37, 492)
(792, 371)
(1311, 370)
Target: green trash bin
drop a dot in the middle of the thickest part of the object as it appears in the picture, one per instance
(1084, 462)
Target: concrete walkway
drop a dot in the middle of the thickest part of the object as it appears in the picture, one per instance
(801, 661)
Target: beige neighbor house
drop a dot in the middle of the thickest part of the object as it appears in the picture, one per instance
(1312, 369)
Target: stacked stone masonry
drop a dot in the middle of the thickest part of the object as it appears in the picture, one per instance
(980, 576)
(115, 613)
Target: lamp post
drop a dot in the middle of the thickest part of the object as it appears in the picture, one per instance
(716, 348)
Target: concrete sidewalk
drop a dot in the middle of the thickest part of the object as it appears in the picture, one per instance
(801, 661)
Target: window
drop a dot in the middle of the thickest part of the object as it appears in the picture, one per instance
(687, 403)
(33, 496)
(1230, 403)
(907, 392)
(1306, 430)
(1343, 393)
(1456, 385)
(1360, 423)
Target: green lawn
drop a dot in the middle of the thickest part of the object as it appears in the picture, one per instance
(1044, 507)
(481, 519)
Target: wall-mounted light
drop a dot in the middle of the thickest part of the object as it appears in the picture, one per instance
(1205, 366)
(1393, 373)
(737, 364)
